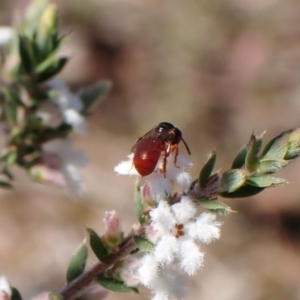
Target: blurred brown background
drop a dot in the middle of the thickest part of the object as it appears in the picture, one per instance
(218, 70)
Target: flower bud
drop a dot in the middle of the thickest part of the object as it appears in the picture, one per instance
(113, 235)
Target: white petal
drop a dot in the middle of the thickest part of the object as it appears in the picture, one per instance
(205, 229)
(6, 34)
(191, 258)
(166, 250)
(4, 286)
(126, 167)
(74, 181)
(160, 186)
(169, 285)
(184, 210)
(148, 270)
(76, 120)
(162, 218)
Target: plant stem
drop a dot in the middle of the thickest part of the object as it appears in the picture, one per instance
(74, 288)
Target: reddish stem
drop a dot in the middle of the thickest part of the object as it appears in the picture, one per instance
(72, 289)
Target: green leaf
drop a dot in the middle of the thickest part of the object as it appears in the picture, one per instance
(216, 207)
(94, 95)
(7, 173)
(268, 166)
(77, 263)
(277, 148)
(242, 192)
(25, 51)
(15, 295)
(115, 285)
(265, 181)
(207, 169)
(251, 160)
(5, 185)
(294, 144)
(139, 205)
(239, 160)
(10, 158)
(143, 244)
(53, 68)
(54, 296)
(97, 245)
(233, 179)
(10, 110)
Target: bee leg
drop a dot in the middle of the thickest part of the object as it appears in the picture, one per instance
(175, 156)
(166, 154)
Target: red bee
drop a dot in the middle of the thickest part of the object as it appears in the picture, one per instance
(163, 138)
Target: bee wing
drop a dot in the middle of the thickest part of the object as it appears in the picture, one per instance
(145, 140)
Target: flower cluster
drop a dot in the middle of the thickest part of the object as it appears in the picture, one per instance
(174, 227)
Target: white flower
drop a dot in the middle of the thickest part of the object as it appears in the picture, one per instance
(175, 230)
(6, 34)
(129, 270)
(157, 183)
(166, 283)
(69, 104)
(126, 167)
(5, 289)
(59, 165)
(172, 242)
(50, 114)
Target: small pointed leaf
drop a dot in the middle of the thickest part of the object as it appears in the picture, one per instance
(277, 148)
(265, 181)
(143, 244)
(207, 169)
(94, 95)
(294, 145)
(25, 52)
(77, 263)
(97, 245)
(115, 285)
(54, 68)
(233, 179)
(5, 185)
(268, 166)
(15, 295)
(251, 160)
(10, 157)
(216, 207)
(239, 160)
(242, 192)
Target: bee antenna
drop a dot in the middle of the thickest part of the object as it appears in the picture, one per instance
(186, 146)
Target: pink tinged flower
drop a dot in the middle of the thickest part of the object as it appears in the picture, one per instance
(5, 289)
(59, 165)
(50, 114)
(70, 105)
(129, 270)
(112, 229)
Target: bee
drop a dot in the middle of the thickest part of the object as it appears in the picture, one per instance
(163, 139)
